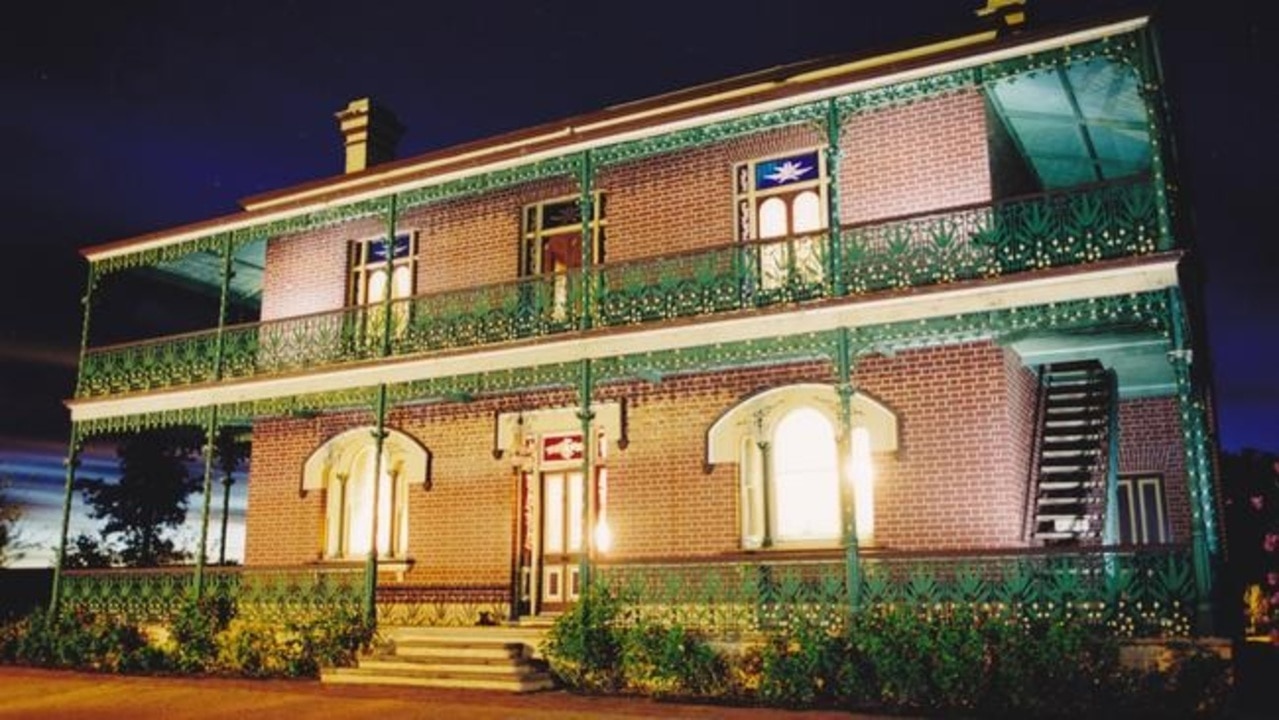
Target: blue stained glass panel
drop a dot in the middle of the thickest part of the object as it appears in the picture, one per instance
(786, 170)
(377, 249)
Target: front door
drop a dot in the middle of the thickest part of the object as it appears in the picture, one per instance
(563, 497)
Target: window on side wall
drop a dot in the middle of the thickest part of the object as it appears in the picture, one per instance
(781, 207)
(1143, 512)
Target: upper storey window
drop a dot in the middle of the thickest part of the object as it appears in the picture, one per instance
(552, 235)
(378, 265)
(783, 198)
(551, 245)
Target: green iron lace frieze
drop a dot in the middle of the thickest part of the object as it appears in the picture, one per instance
(563, 166)
(905, 93)
(1124, 48)
(470, 386)
(708, 134)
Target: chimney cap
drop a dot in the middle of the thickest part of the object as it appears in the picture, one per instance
(370, 133)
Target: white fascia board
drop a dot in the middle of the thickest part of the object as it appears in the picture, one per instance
(1155, 275)
(382, 187)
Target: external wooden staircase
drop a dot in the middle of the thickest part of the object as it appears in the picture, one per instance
(1074, 439)
(480, 658)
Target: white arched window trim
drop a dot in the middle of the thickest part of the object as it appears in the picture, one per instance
(747, 435)
(343, 468)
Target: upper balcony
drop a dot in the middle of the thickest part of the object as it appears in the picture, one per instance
(919, 169)
(989, 240)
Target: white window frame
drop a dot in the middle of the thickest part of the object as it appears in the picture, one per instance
(1133, 501)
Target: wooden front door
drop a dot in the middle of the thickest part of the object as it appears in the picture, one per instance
(563, 496)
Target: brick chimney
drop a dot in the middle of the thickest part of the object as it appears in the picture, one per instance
(369, 132)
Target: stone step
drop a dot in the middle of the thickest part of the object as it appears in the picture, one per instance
(479, 651)
(448, 667)
(515, 684)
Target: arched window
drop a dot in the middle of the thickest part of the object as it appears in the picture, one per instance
(805, 477)
(786, 444)
(344, 468)
(781, 205)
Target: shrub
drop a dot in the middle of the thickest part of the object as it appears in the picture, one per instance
(79, 640)
(584, 646)
(666, 661)
(195, 630)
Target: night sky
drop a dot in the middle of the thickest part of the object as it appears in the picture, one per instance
(120, 118)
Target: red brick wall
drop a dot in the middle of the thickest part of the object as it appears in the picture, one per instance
(959, 478)
(661, 501)
(282, 527)
(930, 154)
(1150, 442)
(307, 273)
(684, 201)
(957, 481)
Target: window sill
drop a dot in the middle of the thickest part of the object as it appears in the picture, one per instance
(385, 566)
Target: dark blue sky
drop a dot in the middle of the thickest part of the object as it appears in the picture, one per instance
(125, 117)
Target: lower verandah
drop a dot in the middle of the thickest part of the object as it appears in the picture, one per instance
(491, 505)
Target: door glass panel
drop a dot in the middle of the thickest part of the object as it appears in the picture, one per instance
(575, 504)
(553, 524)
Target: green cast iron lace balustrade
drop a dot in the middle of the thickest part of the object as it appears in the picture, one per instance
(1146, 592)
(971, 242)
(163, 362)
(1054, 230)
(158, 594)
(534, 306)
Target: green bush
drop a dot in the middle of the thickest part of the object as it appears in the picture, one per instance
(251, 649)
(330, 640)
(79, 640)
(202, 637)
(944, 659)
(670, 661)
(584, 647)
(195, 630)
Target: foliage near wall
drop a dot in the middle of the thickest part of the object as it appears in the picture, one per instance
(205, 637)
(895, 658)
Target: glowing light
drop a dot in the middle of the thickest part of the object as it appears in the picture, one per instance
(603, 536)
(862, 472)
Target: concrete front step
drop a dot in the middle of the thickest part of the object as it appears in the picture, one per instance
(427, 649)
(487, 658)
(406, 666)
(515, 684)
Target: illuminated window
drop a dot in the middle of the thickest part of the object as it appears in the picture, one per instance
(376, 268)
(344, 468)
(551, 246)
(784, 199)
(1143, 515)
(785, 443)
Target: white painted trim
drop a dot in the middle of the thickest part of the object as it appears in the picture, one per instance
(383, 183)
(1156, 275)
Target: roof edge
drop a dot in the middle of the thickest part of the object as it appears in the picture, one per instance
(744, 95)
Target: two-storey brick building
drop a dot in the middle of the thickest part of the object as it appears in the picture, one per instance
(847, 315)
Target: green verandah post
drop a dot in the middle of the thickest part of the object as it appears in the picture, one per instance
(852, 563)
(211, 427)
(73, 445)
(834, 242)
(586, 415)
(379, 432)
(1198, 468)
(72, 462)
